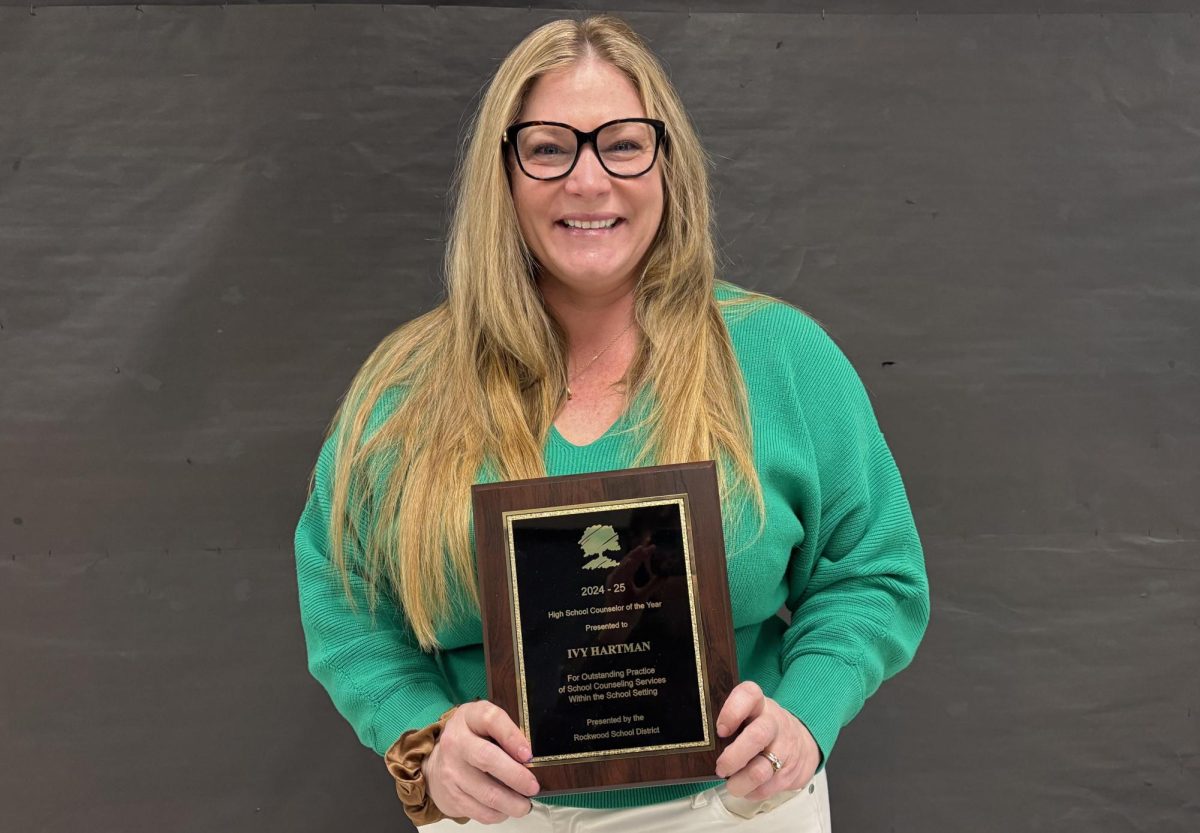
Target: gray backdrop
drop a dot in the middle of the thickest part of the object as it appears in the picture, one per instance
(209, 216)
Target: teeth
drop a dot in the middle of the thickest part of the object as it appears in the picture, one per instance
(591, 224)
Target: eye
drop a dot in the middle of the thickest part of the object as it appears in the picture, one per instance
(624, 145)
(547, 150)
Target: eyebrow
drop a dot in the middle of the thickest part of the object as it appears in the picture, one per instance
(577, 127)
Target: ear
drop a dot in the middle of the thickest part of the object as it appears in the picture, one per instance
(510, 162)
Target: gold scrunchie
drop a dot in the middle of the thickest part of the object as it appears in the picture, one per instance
(404, 760)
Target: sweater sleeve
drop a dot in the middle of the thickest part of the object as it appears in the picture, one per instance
(860, 601)
(374, 671)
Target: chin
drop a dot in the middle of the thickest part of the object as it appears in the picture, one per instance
(601, 279)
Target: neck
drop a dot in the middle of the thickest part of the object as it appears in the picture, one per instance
(590, 320)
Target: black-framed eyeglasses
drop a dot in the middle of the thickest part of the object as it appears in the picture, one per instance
(550, 150)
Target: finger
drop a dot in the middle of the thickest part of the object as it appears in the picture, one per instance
(486, 719)
(793, 775)
(778, 781)
(466, 805)
(492, 794)
(744, 702)
(756, 774)
(785, 779)
(756, 737)
(487, 757)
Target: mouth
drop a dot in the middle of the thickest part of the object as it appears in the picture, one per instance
(593, 228)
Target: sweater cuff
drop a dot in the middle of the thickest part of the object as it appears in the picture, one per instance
(412, 707)
(824, 693)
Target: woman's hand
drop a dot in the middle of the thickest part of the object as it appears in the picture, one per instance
(469, 776)
(772, 728)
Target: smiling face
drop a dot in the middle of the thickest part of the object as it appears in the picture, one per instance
(595, 262)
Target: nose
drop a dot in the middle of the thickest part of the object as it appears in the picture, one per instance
(589, 177)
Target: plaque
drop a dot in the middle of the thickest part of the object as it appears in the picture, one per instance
(608, 634)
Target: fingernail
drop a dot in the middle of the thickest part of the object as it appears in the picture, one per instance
(722, 729)
(525, 754)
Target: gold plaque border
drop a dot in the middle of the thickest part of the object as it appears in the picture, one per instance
(680, 500)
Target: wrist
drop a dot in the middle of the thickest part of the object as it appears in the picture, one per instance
(406, 760)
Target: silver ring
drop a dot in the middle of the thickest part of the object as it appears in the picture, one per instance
(776, 764)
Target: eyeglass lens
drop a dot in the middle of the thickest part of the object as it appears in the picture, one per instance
(626, 148)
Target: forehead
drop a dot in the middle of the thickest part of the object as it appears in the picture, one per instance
(584, 95)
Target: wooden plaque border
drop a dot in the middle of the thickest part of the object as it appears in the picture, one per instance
(711, 596)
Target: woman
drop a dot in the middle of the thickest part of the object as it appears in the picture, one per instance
(584, 330)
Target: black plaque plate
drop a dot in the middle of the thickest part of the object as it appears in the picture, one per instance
(608, 649)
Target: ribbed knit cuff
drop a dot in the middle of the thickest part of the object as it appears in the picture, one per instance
(824, 692)
(411, 707)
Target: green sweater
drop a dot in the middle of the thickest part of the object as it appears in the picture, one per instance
(839, 550)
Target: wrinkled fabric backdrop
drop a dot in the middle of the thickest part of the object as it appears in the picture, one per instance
(210, 214)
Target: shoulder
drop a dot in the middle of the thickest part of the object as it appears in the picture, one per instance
(776, 339)
(751, 315)
(796, 374)
(332, 447)
(383, 408)
(410, 352)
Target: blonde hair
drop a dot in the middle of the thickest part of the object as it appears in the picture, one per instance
(482, 375)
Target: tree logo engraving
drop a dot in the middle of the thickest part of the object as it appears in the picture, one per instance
(597, 540)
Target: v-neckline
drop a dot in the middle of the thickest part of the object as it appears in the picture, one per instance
(554, 432)
(611, 431)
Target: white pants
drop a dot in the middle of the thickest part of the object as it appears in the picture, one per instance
(795, 811)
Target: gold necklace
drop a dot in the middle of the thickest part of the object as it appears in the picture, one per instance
(593, 361)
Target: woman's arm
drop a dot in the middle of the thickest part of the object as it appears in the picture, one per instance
(376, 676)
(857, 619)
(860, 599)
(384, 685)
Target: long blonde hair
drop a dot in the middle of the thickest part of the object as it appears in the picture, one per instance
(481, 376)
